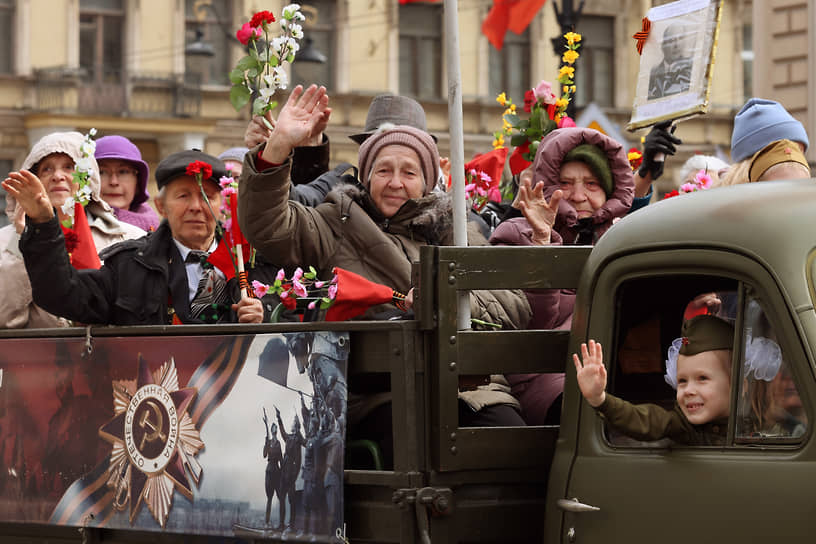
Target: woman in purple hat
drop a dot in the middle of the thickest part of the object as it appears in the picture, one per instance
(124, 181)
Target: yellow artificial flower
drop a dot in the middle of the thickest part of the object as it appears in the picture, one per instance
(565, 89)
(566, 71)
(572, 89)
(512, 108)
(633, 155)
(506, 126)
(570, 56)
(561, 103)
(502, 99)
(572, 38)
(498, 143)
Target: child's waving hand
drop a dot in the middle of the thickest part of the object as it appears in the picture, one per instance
(591, 373)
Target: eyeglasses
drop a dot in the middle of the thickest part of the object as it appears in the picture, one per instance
(119, 173)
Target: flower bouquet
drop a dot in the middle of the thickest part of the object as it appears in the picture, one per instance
(547, 112)
(261, 72)
(701, 182)
(79, 242)
(345, 296)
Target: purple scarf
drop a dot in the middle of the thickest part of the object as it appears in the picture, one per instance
(143, 217)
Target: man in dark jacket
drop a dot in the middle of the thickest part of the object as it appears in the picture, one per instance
(161, 278)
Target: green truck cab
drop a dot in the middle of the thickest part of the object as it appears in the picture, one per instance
(752, 245)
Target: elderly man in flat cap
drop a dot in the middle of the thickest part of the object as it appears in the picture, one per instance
(161, 278)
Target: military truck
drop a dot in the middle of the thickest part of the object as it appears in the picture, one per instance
(753, 246)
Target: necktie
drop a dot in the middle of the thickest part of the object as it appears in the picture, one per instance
(210, 302)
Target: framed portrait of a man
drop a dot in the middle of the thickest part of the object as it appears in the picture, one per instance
(679, 42)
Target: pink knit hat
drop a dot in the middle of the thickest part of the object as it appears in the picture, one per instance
(418, 140)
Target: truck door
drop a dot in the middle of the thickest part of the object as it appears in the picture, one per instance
(745, 485)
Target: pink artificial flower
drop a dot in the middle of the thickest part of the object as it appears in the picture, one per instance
(228, 191)
(481, 191)
(312, 304)
(472, 172)
(543, 92)
(566, 122)
(298, 288)
(703, 179)
(281, 275)
(225, 181)
(284, 294)
(228, 224)
(332, 291)
(494, 194)
(247, 32)
(298, 274)
(688, 187)
(334, 279)
(318, 284)
(259, 288)
(485, 177)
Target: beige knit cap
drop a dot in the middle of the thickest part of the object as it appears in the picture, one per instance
(418, 140)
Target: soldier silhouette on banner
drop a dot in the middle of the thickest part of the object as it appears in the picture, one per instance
(274, 460)
(293, 442)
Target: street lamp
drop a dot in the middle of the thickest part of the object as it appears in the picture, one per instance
(567, 19)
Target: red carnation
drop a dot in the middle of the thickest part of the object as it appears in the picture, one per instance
(673, 193)
(260, 18)
(199, 167)
(289, 303)
(71, 240)
(529, 101)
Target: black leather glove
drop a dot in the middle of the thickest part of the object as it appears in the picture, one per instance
(659, 140)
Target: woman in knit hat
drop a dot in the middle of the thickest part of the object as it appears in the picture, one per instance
(581, 183)
(52, 159)
(124, 181)
(759, 124)
(374, 228)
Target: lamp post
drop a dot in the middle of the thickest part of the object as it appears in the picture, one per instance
(567, 18)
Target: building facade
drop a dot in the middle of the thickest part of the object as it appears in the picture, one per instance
(129, 67)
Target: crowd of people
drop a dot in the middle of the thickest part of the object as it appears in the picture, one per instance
(297, 212)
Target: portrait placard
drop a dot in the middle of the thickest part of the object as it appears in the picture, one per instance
(676, 64)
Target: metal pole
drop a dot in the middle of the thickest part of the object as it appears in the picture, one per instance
(457, 145)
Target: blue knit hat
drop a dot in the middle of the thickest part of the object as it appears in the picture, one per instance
(761, 122)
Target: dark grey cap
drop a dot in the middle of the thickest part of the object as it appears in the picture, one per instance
(394, 109)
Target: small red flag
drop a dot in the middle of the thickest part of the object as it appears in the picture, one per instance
(355, 295)
(491, 163)
(517, 160)
(515, 15)
(79, 241)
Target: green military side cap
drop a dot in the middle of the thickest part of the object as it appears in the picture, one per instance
(705, 333)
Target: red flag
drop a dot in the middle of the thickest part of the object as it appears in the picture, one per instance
(517, 160)
(513, 14)
(79, 241)
(220, 258)
(355, 295)
(491, 163)
(235, 229)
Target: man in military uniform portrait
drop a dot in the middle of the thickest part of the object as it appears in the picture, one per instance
(673, 74)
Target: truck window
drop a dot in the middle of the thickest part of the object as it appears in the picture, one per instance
(769, 406)
(765, 400)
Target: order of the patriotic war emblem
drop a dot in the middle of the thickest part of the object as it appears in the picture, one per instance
(154, 441)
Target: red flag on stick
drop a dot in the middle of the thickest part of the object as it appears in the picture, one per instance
(513, 14)
(355, 295)
(79, 241)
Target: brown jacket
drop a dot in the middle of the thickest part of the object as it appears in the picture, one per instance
(347, 230)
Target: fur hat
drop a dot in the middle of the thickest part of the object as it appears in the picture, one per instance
(394, 109)
(761, 122)
(175, 165)
(592, 156)
(69, 143)
(414, 138)
(119, 147)
(776, 153)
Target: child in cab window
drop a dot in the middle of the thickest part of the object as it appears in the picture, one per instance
(699, 367)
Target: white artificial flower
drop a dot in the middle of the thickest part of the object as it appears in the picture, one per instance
(293, 44)
(297, 31)
(266, 92)
(277, 44)
(299, 16)
(84, 164)
(68, 207)
(84, 193)
(281, 79)
(92, 132)
(88, 147)
(290, 11)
